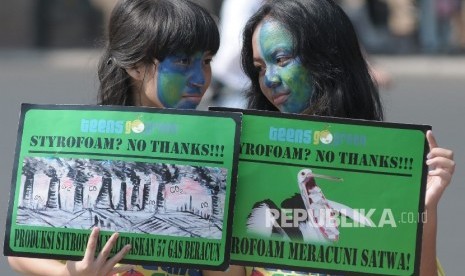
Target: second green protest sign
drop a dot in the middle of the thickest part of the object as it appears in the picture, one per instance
(329, 195)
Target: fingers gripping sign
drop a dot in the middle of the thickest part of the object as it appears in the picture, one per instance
(102, 264)
(442, 166)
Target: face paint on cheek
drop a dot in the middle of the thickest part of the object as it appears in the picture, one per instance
(300, 83)
(170, 87)
(273, 35)
(171, 81)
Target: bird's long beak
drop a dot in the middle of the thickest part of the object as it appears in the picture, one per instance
(332, 178)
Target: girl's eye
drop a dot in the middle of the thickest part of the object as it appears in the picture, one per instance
(260, 68)
(281, 61)
(207, 61)
(183, 61)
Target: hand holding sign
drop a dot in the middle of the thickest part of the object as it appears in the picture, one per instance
(441, 162)
(442, 165)
(91, 266)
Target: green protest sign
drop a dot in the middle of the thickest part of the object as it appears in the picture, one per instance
(163, 179)
(329, 195)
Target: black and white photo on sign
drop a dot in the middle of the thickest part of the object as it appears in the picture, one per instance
(135, 197)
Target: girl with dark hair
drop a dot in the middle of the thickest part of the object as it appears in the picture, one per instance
(321, 43)
(156, 47)
(158, 54)
(303, 56)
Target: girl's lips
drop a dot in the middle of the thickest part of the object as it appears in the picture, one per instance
(192, 98)
(280, 98)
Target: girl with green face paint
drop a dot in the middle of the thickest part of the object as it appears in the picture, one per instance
(182, 80)
(284, 81)
(179, 81)
(149, 62)
(303, 56)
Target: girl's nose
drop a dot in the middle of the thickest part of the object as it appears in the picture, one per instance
(197, 76)
(272, 79)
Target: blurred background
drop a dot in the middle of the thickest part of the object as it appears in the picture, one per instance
(49, 50)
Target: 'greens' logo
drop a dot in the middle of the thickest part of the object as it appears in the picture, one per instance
(102, 126)
(323, 137)
(112, 126)
(291, 135)
(137, 126)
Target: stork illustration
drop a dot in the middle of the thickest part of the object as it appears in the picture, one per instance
(315, 219)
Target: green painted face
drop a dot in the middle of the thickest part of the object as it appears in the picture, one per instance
(182, 80)
(285, 82)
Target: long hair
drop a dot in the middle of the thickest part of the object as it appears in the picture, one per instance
(141, 31)
(327, 44)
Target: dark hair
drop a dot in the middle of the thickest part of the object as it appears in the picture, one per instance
(327, 44)
(145, 30)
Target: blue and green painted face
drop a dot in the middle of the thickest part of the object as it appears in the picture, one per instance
(182, 79)
(285, 82)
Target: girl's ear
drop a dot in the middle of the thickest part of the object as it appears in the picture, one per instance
(137, 72)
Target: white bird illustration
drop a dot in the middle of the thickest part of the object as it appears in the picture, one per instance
(318, 215)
